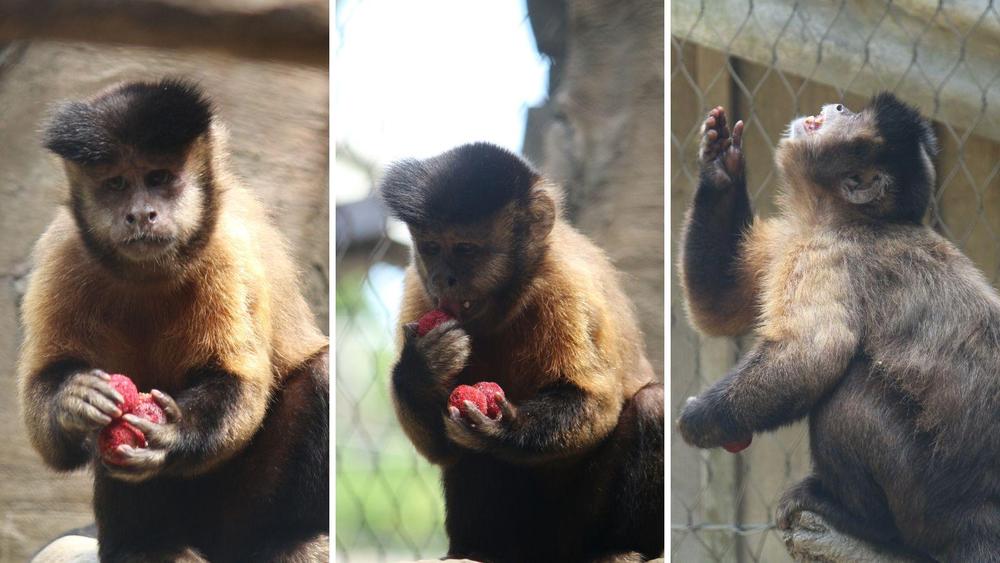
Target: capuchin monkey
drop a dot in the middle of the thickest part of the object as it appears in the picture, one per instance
(573, 469)
(161, 266)
(868, 321)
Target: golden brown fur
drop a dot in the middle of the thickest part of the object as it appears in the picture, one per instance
(175, 277)
(243, 314)
(539, 309)
(573, 324)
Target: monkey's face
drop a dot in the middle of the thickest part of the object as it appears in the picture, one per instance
(832, 119)
(142, 208)
(876, 163)
(463, 268)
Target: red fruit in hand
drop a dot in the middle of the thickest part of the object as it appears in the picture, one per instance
(149, 409)
(736, 447)
(464, 393)
(127, 389)
(115, 434)
(492, 391)
(430, 320)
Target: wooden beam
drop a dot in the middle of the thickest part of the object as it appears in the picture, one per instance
(294, 32)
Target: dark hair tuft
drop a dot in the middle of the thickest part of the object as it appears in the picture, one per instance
(152, 117)
(461, 186)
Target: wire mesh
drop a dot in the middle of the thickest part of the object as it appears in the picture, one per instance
(766, 62)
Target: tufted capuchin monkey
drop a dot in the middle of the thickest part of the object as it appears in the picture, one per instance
(573, 468)
(161, 266)
(868, 321)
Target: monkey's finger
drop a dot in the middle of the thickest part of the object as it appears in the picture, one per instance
(103, 404)
(93, 415)
(410, 331)
(142, 424)
(738, 134)
(454, 413)
(99, 385)
(100, 373)
(88, 396)
(139, 458)
(711, 135)
(168, 404)
(475, 416)
(506, 409)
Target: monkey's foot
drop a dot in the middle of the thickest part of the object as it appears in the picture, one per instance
(809, 539)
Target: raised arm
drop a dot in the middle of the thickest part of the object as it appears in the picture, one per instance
(718, 292)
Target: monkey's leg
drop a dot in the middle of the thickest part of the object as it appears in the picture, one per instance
(810, 495)
(149, 521)
(629, 471)
(719, 296)
(301, 550)
(286, 468)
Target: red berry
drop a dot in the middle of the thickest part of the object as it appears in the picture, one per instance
(115, 434)
(736, 447)
(464, 393)
(430, 320)
(492, 392)
(149, 409)
(127, 389)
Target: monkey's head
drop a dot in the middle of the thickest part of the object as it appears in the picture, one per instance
(479, 217)
(876, 162)
(138, 159)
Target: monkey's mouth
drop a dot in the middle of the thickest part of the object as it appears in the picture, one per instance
(813, 123)
(461, 309)
(148, 240)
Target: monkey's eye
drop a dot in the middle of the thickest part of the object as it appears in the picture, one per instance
(429, 248)
(115, 184)
(158, 178)
(465, 249)
(840, 107)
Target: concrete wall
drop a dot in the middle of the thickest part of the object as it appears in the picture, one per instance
(277, 116)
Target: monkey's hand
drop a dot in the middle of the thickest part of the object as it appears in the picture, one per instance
(86, 402)
(721, 152)
(707, 424)
(140, 464)
(445, 349)
(477, 431)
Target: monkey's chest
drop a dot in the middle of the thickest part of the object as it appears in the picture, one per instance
(515, 375)
(155, 346)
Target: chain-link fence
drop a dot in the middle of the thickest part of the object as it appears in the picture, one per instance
(766, 62)
(389, 502)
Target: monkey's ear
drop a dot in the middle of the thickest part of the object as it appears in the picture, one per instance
(860, 189)
(541, 213)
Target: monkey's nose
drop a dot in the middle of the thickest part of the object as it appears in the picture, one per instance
(147, 216)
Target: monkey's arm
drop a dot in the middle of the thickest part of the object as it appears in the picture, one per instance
(65, 404)
(562, 420)
(718, 292)
(421, 380)
(804, 352)
(213, 418)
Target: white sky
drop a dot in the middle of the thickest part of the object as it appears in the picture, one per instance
(415, 78)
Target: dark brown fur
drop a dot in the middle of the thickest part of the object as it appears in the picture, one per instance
(871, 323)
(211, 318)
(579, 451)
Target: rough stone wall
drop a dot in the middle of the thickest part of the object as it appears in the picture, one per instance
(277, 117)
(600, 135)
